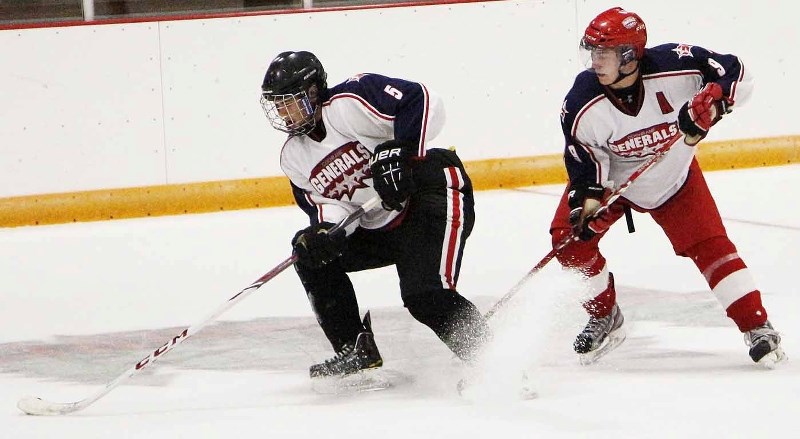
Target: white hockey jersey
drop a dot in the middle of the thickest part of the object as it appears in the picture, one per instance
(332, 178)
(605, 143)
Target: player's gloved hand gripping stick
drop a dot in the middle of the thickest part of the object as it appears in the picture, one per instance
(571, 237)
(37, 406)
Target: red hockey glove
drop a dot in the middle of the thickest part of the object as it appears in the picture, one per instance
(315, 247)
(584, 200)
(701, 112)
(596, 223)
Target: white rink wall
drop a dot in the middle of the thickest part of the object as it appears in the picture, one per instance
(122, 105)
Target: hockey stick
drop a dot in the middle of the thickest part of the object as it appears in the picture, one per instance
(571, 237)
(37, 406)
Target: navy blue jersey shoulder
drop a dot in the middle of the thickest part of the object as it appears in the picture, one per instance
(668, 58)
(372, 88)
(585, 88)
(404, 101)
(723, 69)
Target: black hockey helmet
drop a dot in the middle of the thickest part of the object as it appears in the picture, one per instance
(292, 72)
(290, 92)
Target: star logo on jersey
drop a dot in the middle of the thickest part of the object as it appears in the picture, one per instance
(683, 50)
(342, 172)
(564, 111)
(349, 184)
(356, 78)
(644, 142)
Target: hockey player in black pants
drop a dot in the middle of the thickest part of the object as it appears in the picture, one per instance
(346, 143)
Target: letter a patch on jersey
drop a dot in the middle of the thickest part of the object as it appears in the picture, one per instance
(666, 108)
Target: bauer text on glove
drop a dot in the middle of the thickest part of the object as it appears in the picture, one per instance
(391, 173)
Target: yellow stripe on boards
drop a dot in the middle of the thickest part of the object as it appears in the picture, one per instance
(215, 196)
(749, 153)
(145, 201)
(516, 172)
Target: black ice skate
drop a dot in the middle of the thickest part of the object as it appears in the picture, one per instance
(765, 345)
(352, 358)
(600, 336)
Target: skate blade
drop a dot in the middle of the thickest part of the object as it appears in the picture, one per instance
(773, 359)
(614, 339)
(366, 380)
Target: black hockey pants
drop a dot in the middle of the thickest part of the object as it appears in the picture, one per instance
(426, 249)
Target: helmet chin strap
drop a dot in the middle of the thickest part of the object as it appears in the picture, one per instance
(621, 76)
(318, 133)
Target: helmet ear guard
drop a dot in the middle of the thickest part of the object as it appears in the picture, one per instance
(587, 52)
(627, 54)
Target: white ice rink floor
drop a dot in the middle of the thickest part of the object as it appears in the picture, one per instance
(81, 303)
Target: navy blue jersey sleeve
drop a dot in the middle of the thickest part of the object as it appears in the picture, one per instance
(304, 203)
(724, 69)
(580, 164)
(719, 68)
(406, 102)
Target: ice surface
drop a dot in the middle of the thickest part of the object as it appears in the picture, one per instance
(81, 303)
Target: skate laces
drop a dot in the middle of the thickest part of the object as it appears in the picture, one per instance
(598, 325)
(345, 351)
(764, 332)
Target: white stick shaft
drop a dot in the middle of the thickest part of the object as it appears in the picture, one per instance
(569, 239)
(37, 406)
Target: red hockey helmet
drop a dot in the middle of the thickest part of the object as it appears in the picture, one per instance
(619, 29)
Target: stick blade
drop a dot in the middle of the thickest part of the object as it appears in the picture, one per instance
(32, 405)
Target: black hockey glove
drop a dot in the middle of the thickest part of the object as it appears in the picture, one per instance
(391, 173)
(315, 247)
(583, 200)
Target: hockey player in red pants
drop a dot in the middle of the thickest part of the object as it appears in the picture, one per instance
(630, 102)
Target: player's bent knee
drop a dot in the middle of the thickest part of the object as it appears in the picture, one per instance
(558, 235)
(454, 319)
(581, 256)
(424, 303)
(710, 249)
(323, 272)
(323, 281)
(434, 307)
